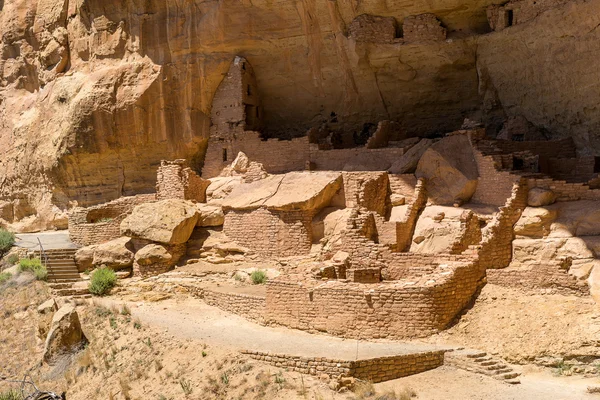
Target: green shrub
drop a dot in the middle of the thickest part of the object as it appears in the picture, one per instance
(34, 265)
(103, 279)
(12, 395)
(7, 239)
(4, 276)
(258, 277)
(13, 259)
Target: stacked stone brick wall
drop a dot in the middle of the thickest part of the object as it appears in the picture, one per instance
(175, 181)
(376, 370)
(415, 265)
(564, 148)
(101, 223)
(276, 156)
(387, 131)
(270, 232)
(579, 169)
(393, 310)
(368, 190)
(355, 158)
(406, 228)
(494, 186)
(423, 28)
(566, 191)
(495, 250)
(247, 306)
(364, 275)
(521, 11)
(403, 185)
(373, 29)
(547, 275)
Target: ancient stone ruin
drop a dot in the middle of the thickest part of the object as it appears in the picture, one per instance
(348, 169)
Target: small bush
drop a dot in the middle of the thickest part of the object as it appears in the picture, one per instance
(13, 259)
(12, 395)
(103, 280)
(7, 240)
(34, 265)
(258, 277)
(4, 276)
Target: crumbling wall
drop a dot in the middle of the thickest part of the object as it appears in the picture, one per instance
(270, 232)
(406, 227)
(494, 186)
(102, 223)
(367, 190)
(394, 310)
(517, 12)
(175, 181)
(423, 28)
(374, 370)
(373, 29)
(565, 191)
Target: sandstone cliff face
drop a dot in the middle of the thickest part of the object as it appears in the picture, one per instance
(93, 94)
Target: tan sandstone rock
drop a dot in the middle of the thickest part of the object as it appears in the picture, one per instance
(115, 254)
(65, 334)
(153, 254)
(548, 249)
(440, 229)
(535, 222)
(576, 218)
(540, 197)
(450, 171)
(84, 258)
(209, 215)
(292, 191)
(408, 162)
(168, 221)
(594, 284)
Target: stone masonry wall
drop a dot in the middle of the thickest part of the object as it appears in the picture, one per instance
(548, 275)
(175, 181)
(373, 29)
(270, 232)
(250, 307)
(494, 186)
(423, 28)
(102, 223)
(406, 228)
(393, 310)
(375, 370)
(566, 191)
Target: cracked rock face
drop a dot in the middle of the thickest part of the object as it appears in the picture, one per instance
(93, 94)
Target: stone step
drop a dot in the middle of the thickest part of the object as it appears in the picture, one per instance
(476, 355)
(510, 375)
(487, 363)
(513, 381)
(65, 280)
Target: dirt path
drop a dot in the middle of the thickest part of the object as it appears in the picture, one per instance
(50, 240)
(193, 319)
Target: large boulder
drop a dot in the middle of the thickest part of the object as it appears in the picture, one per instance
(407, 163)
(210, 215)
(443, 229)
(221, 187)
(168, 221)
(535, 222)
(65, 335)
(153, 254)
(155, 259)
(527, 251)
(538, 197)
(84, 258)
(116, 254)
(450, 170)
(576, 218)
(292, 191)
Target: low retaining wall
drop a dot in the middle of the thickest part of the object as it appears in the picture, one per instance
(247, 306)
(374, 369)
(538, 276)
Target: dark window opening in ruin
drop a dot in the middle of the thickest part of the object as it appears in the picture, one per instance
(249, 91)
(518, 138)
(257, 113)
(252, 121)
(510, 18)
(244, 66)
(518, 164)
(596, 165)
(333, 117)
(224, 155)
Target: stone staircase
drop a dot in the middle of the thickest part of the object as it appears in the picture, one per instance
(480, 362)
(63, 276)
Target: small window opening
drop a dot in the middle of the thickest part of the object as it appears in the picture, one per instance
(224, 155)
(518, 138)
(257, 113)
(244, 66)
(518, 164)
(510, 16)
(249, 91)
(596, 164)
